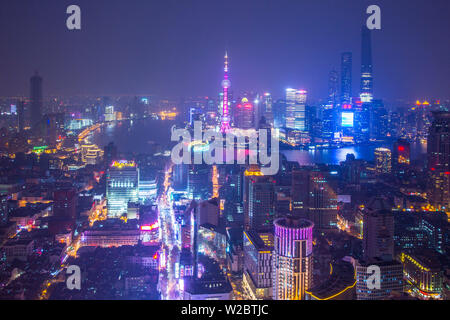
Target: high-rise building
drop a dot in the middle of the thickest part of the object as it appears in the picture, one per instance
(375, 118)
(401, 153)
(199, 182)
(383, 160)
(296, 109)
(268, 104)
(438, 149)
(391, 279)
(333, 88)
(109, 113)
(245, 115)
(261, 202)
(36, 100)
(122, 186)
(257, 278)
(259, 199)
(292, 256)
(346, 78)
(226, 84)
(314, 197)
(366, 66)
(378, 231)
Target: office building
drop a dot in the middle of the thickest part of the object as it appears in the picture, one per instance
(401, 154)
(391, 279)
(383, 160)
(314, 197)
(244, 116)
(292, 255)
(346, 78)
(438, 150)
(257, 278)
(199, 182)
(296, 109)
(423, 270)
(122, 186)
(333, 88)
(378, 230)
(36, 101)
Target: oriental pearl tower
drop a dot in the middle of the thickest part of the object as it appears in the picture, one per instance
(226, 83)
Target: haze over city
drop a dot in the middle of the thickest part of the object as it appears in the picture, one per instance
(170, 48)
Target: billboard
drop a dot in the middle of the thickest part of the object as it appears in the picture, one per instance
(347, 119)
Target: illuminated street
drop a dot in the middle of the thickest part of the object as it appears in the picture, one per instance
(168, 282)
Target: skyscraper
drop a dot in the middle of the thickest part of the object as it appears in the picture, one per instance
(199, 181)
(314, 197)
(36, 100)
(366, 66)
(292, 257)
(378, 233)
(383, 160)
(122, 186)
(226, 84)
(261, 203)
(245, 115)
(259, 199)
(333, 88)
(401, 153)
(346, 78)
(257, 277)
(438, 149)
(268, 113)
(296, 109)
(391, 279)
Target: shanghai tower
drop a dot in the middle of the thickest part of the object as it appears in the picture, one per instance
(366, 66)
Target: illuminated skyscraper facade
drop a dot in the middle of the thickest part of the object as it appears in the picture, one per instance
(438, 149)
(257, 277)
(296, 109)
(245, 115)
(122, 186)
(401, 154)
(292, 256)
(383, 160)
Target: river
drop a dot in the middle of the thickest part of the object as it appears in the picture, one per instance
(138, 136)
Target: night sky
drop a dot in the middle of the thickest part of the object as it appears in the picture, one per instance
(175, 48)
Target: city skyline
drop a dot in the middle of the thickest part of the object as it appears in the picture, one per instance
(270, 48)
(229, 151)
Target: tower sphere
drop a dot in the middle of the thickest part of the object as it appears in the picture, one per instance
(226, 83)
